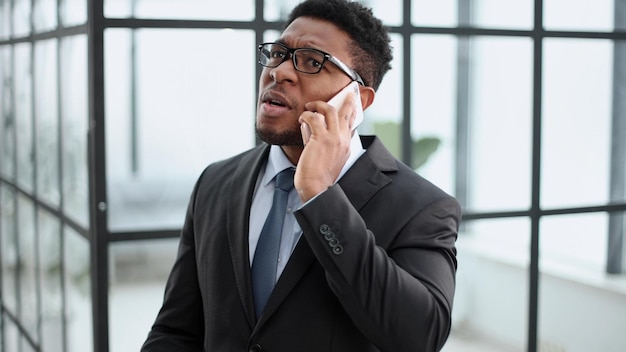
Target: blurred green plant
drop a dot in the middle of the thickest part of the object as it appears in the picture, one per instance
(421, 149)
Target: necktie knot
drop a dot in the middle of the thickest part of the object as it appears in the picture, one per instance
(284, 179)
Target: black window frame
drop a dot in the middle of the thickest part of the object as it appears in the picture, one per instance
(101, 238)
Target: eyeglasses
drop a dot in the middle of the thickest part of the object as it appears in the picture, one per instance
(305, 60)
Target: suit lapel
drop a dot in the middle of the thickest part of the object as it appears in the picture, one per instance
(299, 262)
(368, 174)
(242, 188)
(360, 183)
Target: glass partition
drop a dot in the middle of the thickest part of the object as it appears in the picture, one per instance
(580, 15)
(47, 124)
(74, 127)
(577, 121)
(23, 115)
(428, 13)
(491, 301)
(434, 72)
(44, 15)
(500, 116)
(7, 118)
(522, 121)
(193, 105)
(234, 10)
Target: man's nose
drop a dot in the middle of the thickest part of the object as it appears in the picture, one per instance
(286, 71)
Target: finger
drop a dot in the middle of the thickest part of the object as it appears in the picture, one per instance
(311, 122)
(347, 111)
(305, 130)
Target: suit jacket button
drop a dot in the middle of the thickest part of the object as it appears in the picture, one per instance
(324, 229)
(338, 249)
(256, 348)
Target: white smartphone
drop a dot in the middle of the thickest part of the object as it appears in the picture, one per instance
(336, 101)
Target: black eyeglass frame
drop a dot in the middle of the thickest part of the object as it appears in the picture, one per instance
(327, 57)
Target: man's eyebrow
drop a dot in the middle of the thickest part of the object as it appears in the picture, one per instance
(284, 42)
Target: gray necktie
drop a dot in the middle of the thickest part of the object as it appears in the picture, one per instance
(265, 258)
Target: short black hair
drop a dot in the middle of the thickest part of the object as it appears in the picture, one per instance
(371, 55)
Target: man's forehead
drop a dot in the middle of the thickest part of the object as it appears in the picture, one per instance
(298, 41)
(315, 33)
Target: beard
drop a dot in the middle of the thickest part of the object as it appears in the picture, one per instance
(282, 138)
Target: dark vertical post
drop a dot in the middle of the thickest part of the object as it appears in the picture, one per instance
(134, 110)
(9, 126)
(259, 25)
(462, 104)
(615, 251)
(535, 210)
(407, 140)
(97, 176)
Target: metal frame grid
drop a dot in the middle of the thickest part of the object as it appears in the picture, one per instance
(101, 238)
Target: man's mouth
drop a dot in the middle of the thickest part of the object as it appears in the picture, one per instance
(275, 102)
(275, 99)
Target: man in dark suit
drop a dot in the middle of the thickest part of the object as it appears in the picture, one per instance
(366, 259)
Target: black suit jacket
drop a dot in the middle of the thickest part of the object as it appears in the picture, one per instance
(373, 271)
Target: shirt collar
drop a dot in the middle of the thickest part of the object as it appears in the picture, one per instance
(278, 161)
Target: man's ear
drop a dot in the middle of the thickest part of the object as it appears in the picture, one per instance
(367, 96)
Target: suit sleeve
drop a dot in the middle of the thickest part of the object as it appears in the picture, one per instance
(179, 325)
(400, 296)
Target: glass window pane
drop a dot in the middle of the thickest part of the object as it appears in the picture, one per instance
(78, 313)
(597, 15)
(11, 336)
(592, 313)
(50, 280)
(7, 117)
(73, 12)
(576, 241)
(388, 11)
(384, 116)
(75, 128)
(45, 15)
(8, 248)
(501, 124)
(28, 266)
(21, 18)
(192, 108)
(137, 282)
(46, 116)
(577, 89)
(27, 345)
(278, 10)
(491, 299)
(428, 13)
(271, 35)
(240, 10)
(513, 14)
(24, 116)
(5, 20)
(434, 107)
(587, 318)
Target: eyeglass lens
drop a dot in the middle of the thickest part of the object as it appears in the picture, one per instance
(305, 60)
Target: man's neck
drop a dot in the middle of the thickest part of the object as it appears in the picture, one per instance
(292, 152)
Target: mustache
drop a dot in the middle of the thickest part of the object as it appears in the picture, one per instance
(275, 90)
